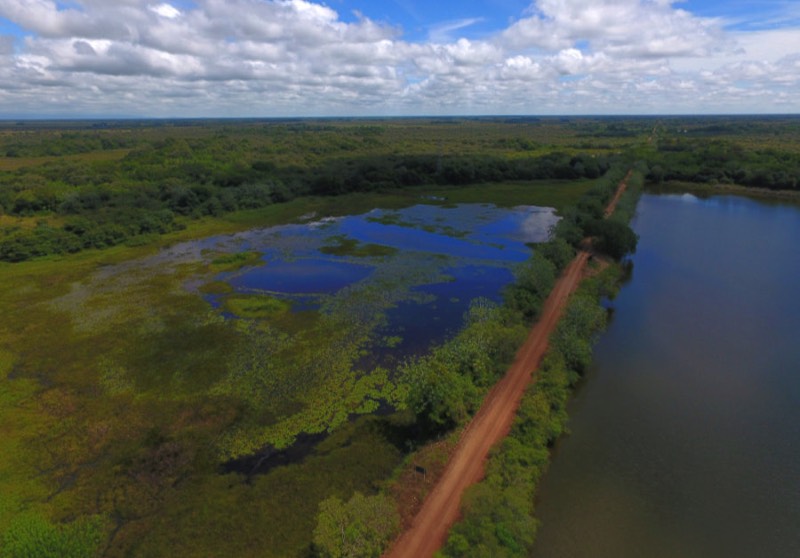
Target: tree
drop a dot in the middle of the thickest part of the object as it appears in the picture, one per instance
(557, 251)
(534, 279)
(614, 238)
(359, 528)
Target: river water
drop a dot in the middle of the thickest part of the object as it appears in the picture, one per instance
(686, 435)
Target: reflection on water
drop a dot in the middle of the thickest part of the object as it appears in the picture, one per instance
(304, 276)
(686, 437)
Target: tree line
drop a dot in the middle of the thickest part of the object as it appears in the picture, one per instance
(144, 194)
(720, 161)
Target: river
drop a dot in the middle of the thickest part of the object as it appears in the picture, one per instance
(686, 433)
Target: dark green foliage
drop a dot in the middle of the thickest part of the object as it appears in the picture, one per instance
(350, 175)
(721, 161)
(612, 237)
(32, 536)
(344, 246)
(106, 228)
(557, 251)
(358, 528)
(498, 513)
(572, 228)
(534, 279)
(445, 387)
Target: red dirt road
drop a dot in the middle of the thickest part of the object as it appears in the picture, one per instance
(612, 205)
(491, 424)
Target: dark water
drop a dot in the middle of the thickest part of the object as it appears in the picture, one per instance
(686, 437)
(304, 276)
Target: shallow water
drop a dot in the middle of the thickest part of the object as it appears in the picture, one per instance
(443, 258)
(686, 435)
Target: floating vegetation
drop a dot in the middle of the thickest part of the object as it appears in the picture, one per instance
(215, 288)
(303, 325)
(256, 306)
(343, 246)
(232, 262)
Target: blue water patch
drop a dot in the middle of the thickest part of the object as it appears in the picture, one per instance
(406, 238)
(422, 324)
(469, 231)
(417, 296)
(301, 276)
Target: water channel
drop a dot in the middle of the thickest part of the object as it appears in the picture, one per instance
(686, 434)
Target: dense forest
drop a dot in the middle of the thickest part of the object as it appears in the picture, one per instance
(102, 189)
(93, 186)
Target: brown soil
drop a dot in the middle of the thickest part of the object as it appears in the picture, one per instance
(612, 205)
(491, 424)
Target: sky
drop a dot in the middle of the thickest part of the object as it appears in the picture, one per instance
(276, 58)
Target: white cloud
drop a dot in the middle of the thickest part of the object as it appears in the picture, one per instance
(165, 10)
(628, 27)
(280, 57)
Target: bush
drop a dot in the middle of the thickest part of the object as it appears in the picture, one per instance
(498, 513)
(613, 237)
(32, 536)
(358, 528)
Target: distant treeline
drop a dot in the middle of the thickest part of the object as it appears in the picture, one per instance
(143, 194)
(718, 161)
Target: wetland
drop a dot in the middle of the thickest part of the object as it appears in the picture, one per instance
(187, 303)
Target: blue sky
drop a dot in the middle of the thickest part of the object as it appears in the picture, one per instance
(418, 18)
(396, 57)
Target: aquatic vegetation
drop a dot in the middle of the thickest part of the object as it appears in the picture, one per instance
(344, 246)
(256, 306)
(161, 367)
(231, 262)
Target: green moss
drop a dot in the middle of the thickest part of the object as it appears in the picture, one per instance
(232, 262)
(296, 322)
(216, 287)
(6, 363)
(256, 306)
(33, 535)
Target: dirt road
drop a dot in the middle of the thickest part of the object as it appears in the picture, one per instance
(490, 425)
(612, 205)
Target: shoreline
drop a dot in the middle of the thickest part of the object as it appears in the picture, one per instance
(702, 189)
(492, 423)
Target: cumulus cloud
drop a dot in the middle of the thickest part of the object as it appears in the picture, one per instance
(299, 57)
(629, 27)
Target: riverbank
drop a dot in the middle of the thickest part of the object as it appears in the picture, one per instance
(725, 189)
